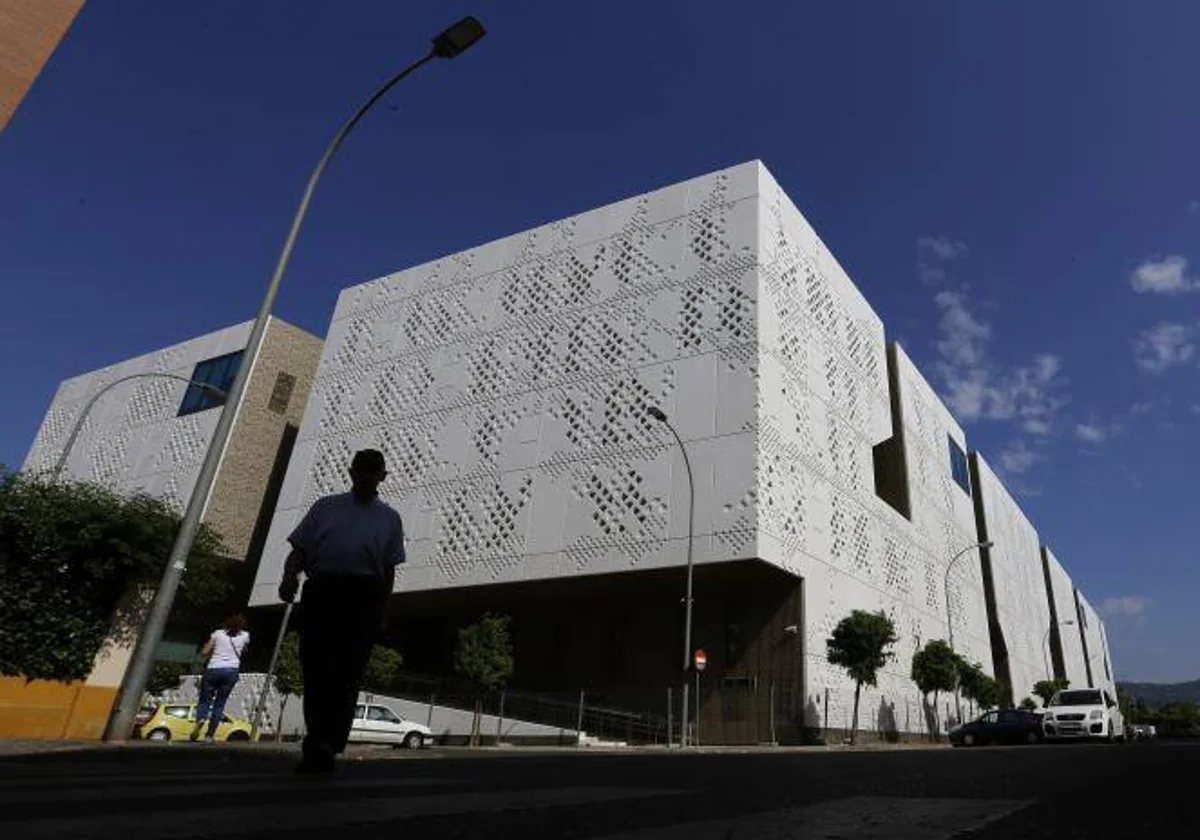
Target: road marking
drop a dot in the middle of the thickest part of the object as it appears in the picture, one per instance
(217, 818)
(193, 787)
(856, 818)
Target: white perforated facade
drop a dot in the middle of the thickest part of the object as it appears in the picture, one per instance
(1022, 603)
(1063, 599)
(133, 440)
(1095, 640)
(508, 385)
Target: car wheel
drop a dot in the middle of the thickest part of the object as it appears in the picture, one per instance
(414, 741)
(159, 734)
(968, 740)
(238, 735)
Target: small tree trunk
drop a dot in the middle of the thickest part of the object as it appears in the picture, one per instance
(937, 726)
(854, 721)
(279, 720)
(475, 721)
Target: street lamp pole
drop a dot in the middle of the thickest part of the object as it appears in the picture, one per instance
(950, 616)
(83, 415)
(447, 44)
(661, 417)
(1068, 622)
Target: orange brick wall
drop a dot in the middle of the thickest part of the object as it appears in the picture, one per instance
(29, 32)
(44, 709)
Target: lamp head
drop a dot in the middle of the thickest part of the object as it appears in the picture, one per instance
(458, 38)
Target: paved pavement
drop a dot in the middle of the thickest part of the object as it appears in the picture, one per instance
(184, 790)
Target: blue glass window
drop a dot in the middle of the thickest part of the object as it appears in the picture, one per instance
(219, 373)
(958, 466)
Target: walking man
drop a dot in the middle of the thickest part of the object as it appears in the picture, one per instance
(348, 546)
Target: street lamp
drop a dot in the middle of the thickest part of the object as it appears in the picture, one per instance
(66, 451)
(949, 616)
(447, 44)
(660, 416)
(1068, 622)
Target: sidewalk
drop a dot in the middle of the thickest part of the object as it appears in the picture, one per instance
(374, 752)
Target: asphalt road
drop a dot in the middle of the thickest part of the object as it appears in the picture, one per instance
(1059, 791)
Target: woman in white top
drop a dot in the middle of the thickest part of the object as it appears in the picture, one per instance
(223, 651)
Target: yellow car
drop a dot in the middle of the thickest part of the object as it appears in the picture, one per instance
(174, 722)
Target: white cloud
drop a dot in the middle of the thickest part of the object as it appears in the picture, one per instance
(1166, 276)
(933, 253)
(1091, 433)
(1194, 205)
(1195, 408)
(1125, 606)
(1164, 345)
(973, 384)
(1143, 407)
(1017, 458)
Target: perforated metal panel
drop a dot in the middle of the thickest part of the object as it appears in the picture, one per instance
(132, 439)
(508, 388)
(1022, 604)
(1064, 605)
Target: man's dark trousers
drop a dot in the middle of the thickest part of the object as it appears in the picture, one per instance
(340, 620)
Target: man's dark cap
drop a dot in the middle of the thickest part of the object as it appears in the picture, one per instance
(368, 459)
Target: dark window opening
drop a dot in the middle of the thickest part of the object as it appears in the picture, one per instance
(281, 394)
(958, 466)
(219, 373)
(890, 482)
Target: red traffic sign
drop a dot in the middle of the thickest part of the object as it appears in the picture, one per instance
(701, 659)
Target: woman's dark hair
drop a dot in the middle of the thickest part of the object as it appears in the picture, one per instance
(235, 625)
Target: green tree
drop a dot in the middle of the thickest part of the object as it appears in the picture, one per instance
(289, 677)
(1029, 704)
(935, 669)
(165, 677)
(1046, 689)
(73, 556)
(485, 657)
(382, 668)
(977, 686)
(860, 644)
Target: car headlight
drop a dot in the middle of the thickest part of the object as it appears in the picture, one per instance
(1049, 716)
(1096, 714)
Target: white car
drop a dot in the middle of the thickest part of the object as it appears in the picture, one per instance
(377, 724)
(1083, 713)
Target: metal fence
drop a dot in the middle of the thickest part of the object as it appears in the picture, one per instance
(607, 716)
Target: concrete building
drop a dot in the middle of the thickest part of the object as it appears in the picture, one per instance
(508, 386)
(148, 431)
(30, 30)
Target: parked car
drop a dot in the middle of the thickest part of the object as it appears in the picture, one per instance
(171, 721)
(1083, 713)
(378, 724)
(1008, 726)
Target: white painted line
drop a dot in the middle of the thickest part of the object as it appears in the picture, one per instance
(856, 818)
(216, 818)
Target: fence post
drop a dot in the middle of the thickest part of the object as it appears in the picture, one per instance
(825, 719)
(774, 740)
(670, 721)
(500, 717)
(579, 721)
(429, 717)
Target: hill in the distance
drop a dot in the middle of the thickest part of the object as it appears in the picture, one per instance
(1156, 694)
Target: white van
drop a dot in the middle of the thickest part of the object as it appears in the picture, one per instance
(1083, 713)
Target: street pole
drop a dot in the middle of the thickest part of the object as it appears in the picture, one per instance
(950, 616)
(447, 44)
(56, 471)
(659, 415)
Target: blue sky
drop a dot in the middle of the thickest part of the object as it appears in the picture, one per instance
(1012, 185)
